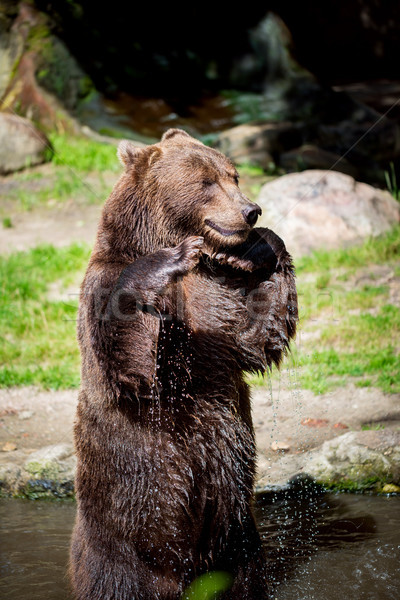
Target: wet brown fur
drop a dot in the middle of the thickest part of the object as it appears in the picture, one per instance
(172, 315)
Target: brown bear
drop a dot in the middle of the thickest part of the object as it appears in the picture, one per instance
(181, 299)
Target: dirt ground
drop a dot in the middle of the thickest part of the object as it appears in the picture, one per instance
(289, 422)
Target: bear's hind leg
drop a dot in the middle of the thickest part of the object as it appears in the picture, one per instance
(247, 562)
(101, 577)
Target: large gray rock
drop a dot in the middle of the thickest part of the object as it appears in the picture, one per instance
(21, 144)
(258, 143)
(358, 460)
(325, 209)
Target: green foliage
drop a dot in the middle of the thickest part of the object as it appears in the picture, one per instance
(391, 182)
(249, 170)
(248, 106)
(373, 427)
(39, 341)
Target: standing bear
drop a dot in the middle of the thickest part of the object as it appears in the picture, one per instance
(181, 299)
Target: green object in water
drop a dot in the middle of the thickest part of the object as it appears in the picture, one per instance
(208, 586)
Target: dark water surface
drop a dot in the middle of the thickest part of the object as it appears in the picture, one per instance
(321, 547)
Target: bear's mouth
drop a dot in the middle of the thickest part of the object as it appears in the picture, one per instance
(222, 231)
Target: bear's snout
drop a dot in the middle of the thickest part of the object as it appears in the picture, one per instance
(251, 213)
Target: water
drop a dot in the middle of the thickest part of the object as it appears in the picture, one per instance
(323, 546)
(320, 547)
(150, 117)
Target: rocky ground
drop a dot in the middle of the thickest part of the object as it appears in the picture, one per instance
(349, 437)
(297, 432)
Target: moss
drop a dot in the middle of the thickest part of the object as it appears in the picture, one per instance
(40, 489)
(37, 34)
(377, 484)
(45, 469)
(367, 484)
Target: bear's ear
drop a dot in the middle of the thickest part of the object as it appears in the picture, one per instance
(127, 153)
(172, 133)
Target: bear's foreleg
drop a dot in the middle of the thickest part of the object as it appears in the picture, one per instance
(122, 317)
(143, 283)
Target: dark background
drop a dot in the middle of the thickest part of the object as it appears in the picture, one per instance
(183, 49)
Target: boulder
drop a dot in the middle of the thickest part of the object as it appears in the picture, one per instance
(319, 209)
(39, 78)
(11, 45)
(358, 460)
(21, 144)
(258, 143)
(49, 472)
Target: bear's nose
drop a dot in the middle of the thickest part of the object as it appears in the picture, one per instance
(251, 213)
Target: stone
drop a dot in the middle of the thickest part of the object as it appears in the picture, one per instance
(358, 460)
(10, 475)
(390, 488)
(49, 471)
(45, 81)
(48, 460)
(258, 143)
(9, 447)
(11, 44)
(21, 144)
(280, 447)
(319, 209)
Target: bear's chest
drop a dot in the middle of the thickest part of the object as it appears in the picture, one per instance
(213, 305)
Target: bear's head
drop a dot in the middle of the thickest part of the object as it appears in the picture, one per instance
(178, 188)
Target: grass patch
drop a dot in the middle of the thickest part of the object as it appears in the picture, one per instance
(7, 222)
(378, 250)
(84, 155)
(80, 168)
(353, 332)
(359, 331)
(39, 340)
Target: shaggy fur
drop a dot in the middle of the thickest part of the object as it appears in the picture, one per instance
(181, 298)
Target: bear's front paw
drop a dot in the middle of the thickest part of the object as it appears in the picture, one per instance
(187, 254)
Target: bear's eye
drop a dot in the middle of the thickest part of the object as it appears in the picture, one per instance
(207, 182)
(236, 179)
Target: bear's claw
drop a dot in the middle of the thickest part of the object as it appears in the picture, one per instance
(189, 252)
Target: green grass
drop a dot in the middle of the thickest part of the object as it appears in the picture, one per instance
(78, 168)
(38, 334)
(359, 331)
(377, 250)
(351, 331)
(84, 155)
(354, 330)
(7, 222)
